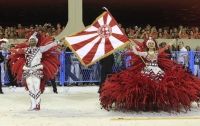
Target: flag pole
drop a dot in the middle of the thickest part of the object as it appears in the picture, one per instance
(104, 8)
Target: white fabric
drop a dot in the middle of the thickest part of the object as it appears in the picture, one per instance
(47, 47)
(85, 49)
(143, 54)
(33, 84)
(103, 32)
(75, 69)
(115, 29)
(182, 55)
(115, 42)
(74, 39)
(196, 70)
(100, 50)
(37, 59)
(32, 81)
(155, 69)
(4, 40)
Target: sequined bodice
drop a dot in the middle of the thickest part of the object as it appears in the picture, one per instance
(151, 59)
(33, 56)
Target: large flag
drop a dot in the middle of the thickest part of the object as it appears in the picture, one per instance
(98, 40)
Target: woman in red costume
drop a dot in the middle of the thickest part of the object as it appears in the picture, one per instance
(153, 83)
(34, 62)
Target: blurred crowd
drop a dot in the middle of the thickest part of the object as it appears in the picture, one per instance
(135, 32)
(20, 31)
(180, 32)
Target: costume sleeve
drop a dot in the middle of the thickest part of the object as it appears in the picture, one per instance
(47, 47)
(143, 54)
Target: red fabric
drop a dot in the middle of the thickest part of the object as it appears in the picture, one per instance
(130, 90)
(50, 61)
(104, 33)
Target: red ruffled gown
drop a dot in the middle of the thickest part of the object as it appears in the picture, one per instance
(50, 61)
(138, 88)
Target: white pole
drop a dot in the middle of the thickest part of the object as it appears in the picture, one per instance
(75, 19)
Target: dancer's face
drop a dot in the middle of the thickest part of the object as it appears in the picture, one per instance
(151, 45)
(32, 42)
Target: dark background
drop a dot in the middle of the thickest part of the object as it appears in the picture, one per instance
(126, 12)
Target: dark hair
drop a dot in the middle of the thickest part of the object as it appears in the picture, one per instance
(188, 48)
(145, 44)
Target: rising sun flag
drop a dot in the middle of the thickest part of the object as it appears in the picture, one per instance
(98, 40)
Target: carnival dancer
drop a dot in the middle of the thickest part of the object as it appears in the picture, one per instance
(153, 83)
(37, 63)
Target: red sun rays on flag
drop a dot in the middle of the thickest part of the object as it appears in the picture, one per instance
(97, 41)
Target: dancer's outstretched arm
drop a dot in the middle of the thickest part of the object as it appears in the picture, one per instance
(143, 54)
(48, 46)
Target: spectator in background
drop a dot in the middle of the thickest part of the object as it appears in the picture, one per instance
(154, 33)
(132, 32)
(95, 73)
(6, 33)
(13, 33)
(188, 57)
(182, 55)
(174, 33)
(160, 34)
(75, 67)
(163, 45)
(123, 30)
(69, 76)
(118, 60)
(188, 48)
(1, 35)
(166, 34)
(58, 29)
(106, 68)
(196, 33)
(54, 85)
(173, 51)
(1, 60)
(145, 34)
(183, 34)
(20, 31)
(197, 61)
(127, 31)
(191, 35)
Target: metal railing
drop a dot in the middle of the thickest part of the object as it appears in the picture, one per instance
(71, 71)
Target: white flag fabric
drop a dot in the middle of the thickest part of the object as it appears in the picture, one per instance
(98, 40)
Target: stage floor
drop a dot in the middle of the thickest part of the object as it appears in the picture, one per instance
(79, 106)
